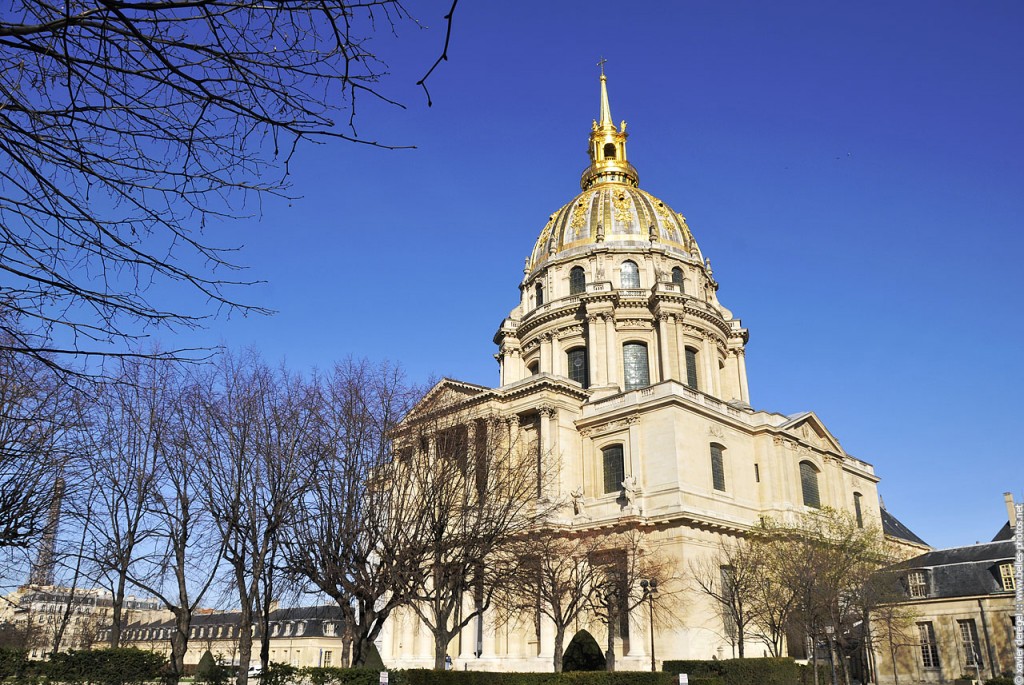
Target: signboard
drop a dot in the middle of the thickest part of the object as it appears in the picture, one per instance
(684, 679)
(383, 678)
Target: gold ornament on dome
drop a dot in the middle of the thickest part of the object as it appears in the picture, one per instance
(622, 204)
(579, 212)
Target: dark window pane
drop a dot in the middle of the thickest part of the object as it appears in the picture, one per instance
(677, 275)
(540, 294)
(691, 367)
(609, 150)
(634, 364)
(809, 484)
(577, 360)
(614, 473)
(857, 510)
(577, 280)
(717, 467)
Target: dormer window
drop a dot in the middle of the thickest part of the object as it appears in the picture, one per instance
(917, 584)
(1006, 577)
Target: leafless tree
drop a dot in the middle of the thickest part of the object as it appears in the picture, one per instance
(36, 426)
(127, 127)
(557, 581)
(124, 463)
(479, 490)
(731, 577)
(357, 540)
(258, 431)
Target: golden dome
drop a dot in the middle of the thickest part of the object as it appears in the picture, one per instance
(611, 211)
(613, 215)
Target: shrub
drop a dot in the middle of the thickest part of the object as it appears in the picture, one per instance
(767, 671)
(279, 674)
(373, 661)
(583, 654)
(345, 676)
(124, 666)
(1001, 680)
(13, 662)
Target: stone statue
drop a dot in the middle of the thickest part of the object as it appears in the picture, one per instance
(577, 501)
(629, 490)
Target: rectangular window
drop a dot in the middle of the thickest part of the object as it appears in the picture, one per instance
(1006, 576)
(757, 473)
(614, 473)
(857, 510)
(929, 648)
(577, 360)
(328, 658)
(691, 368)
(634, 365)
(917, 585)
(969, 641)
(717, 467)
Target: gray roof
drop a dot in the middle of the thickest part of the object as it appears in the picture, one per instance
(314, 617)
(892, 527)
(964, 571)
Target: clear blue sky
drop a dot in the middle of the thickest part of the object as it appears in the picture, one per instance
(854, 171)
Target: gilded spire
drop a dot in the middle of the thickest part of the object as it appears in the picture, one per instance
(606, 122)
(608, 147)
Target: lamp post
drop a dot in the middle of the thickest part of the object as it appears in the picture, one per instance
(650, 588)
(829, 631)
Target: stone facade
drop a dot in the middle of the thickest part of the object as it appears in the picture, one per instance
(619, 344)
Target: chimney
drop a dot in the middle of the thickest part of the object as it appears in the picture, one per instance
(1010, 509)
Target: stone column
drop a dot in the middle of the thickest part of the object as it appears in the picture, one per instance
(741, 366)
(557, 359)
(545, 353)
(710, 373)
(664, 355)
(638, 631)
(612, 346)
(594, 366)
(546, 648)
(548, 417)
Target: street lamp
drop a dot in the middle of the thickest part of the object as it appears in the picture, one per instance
(650, 588)
(829, 631)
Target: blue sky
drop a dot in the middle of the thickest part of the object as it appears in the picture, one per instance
(855, 172)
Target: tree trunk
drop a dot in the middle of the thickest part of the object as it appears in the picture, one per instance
(814, 658)
(179, 642)
(441, 640)
(244, 644)
(609, 656)
(739, 638)
(559, 647)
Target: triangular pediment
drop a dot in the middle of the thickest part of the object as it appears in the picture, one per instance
(808, 428)
(446, 393)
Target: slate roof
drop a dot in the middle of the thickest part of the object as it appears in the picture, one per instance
(1005, 533)
(314, 618)
(963, 571)
(892, 527)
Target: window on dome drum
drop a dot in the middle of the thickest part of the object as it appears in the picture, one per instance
(1007, 577)
(969, 641)
(539, 295)
(691, 367)
(929, 648)
(577, 280)
(630, 275)
(614, 472)
(634, 366)
(609, 150)
(717, 467)
(533, 368)
(677, 275)
(858, 512)
(577, 362)
(809, 484)
(917, 584)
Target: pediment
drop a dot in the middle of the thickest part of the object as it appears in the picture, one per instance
(445, 394)
(808, 428)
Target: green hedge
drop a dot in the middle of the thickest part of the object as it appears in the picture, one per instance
(767, 671)
(126, 666)
(13, 663)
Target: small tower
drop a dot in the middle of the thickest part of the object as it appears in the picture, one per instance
(42, 567)
(608, 148)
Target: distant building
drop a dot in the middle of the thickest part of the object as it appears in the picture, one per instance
(958, 615)
(39, 617)
(301, 637)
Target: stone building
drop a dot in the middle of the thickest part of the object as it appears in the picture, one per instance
(620, 363)
(958, 616)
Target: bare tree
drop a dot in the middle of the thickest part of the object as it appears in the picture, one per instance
(37, 422)
(126, 127)
(730, 578)
(257, 440)
(357, 540)
(557, 581)
(478, 490)
(127, 429)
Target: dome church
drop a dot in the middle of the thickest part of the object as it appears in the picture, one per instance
(620, 365)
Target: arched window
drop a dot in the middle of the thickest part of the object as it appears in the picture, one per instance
(539, 295)
(577, 362)
(577, 280)
(630, 277)
(858, 512)
(634, 365)
(533, 368)
(677, 278)
(614, 473)
(691, 367)
(809, 484)
(609, 150)
(717, 467)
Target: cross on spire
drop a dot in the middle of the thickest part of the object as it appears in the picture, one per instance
(601, 64)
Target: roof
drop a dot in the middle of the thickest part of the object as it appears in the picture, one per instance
(964, 571)
(314, 616)
(892, 527)
(1005, 533)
